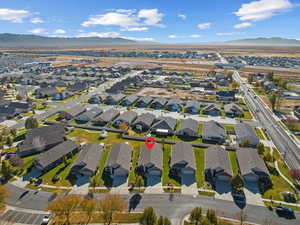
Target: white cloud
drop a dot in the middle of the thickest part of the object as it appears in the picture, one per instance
(135, 29)
(262, 9)
(204, 26)
(151, 16)
(229, 33)
(126, 18)
(15, 16)
(181, 16)
(36, 20)
(195, 36)
(173, 36)
(100, 34)
(242, 25)
(59, 31)
(139, 38)
(37, 31)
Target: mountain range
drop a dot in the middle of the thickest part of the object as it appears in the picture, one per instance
(30, 41)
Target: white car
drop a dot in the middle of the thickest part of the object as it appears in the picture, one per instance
(45, 220)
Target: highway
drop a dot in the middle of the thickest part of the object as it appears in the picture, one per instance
(281, 139)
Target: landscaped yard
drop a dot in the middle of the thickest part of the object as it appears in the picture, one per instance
(200, 163)
(234, 162)
(259, 133)
(166, 167)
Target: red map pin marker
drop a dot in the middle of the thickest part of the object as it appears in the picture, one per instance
(150, 142)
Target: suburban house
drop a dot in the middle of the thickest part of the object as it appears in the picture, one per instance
(252, 166)
(182, 164)
(245, 134)
(174, 105)
(106, 117)
(78, 86)
(158, 103)
(212, 109)
(8, 112)
(127, 118)
(214, 132)
(143, 122)
(41, 139)
(86, 164)
(164, 126)
(129, 100)
(114, 99)
(45, 92)
(97, 99)
(20, 107)
(226, 95)
(217, 165)
(188, 128)
(62, 95)
(150, 164)
(233, 110)
(144, 101)
(55, 156)
(118, 163)
(88, 115)
(72, 112)
(193, 107)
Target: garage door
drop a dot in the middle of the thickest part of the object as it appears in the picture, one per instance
(251, 178)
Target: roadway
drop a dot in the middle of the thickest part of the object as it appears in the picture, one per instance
(281, 139)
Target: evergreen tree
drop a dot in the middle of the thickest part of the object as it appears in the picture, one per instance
(149, 217)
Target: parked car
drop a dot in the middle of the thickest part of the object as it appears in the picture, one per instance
(45, 220)
(285, 211)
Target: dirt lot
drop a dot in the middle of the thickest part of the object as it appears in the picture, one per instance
(167, 93)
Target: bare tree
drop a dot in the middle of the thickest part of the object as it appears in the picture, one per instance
(241, 216)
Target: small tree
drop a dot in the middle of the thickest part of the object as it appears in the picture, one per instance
(65, 206)
(237, 182)
(149, 217)
(260, 148)
(111, 204)
(241, 216)
(89, 206)
(9, 141)
(270, 76)
(139, 182)
(235, 85)
(19, 97)
(211, 216)
(246, 143)
(13, 132)
(163, 221)
(31, 123)
(3, 194)
(196, 215)
(269, 157)
(273, 100)
(295, 174)
(7, 169)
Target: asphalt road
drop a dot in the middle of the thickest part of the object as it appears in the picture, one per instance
(284, 143)
(175, 206)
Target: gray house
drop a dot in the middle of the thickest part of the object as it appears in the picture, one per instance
(129, 100)
(86, 164)
(143, 122)
(106, 117)
(114, 99)
(245, 133)
(251, 165)
(182, 163)
(88, 115)
(55, 155)
(144, 101)
(118, 163)
(217, 164)
(193, 107)
(159, 103)
(174, 105)
(212, 109)
(164, 126)
(233, 110)
(41, 139)
(127, 117)
(72, 112)
(189, 128)
(214, 132)
(150, 164)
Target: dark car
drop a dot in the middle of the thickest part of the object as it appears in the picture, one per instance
(285, 211)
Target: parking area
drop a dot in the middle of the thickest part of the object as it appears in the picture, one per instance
(12, 216)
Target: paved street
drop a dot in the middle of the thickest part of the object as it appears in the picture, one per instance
(13, 216)
(284, 143)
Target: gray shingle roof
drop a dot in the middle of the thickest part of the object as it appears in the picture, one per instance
(175, 101)
(155, 156)
(189, 124)
(244, 132)
(75, 111)
(145, 118)
(90, 114)
(249, 159)
(128, 116)
(131, 98)
(161, 101)
(107, 116)
(120, 154)
(211, 106)
(56, 153)
(169, 121)
(193, 103)
(183, 151)
(217, 157)
(145, 99)
(232, 107)
(89, 156)
(213, 129)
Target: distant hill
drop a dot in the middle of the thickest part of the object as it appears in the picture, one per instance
(28, 41)
(274, 41)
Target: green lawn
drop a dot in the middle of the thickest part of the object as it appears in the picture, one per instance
(134, 161)
(259, 133)
(27, 162)
(229, 127)
(99, 179)
(247, 115)
(200, 166)
(234, 163)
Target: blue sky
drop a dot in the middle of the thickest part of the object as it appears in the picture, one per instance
(170, 21)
